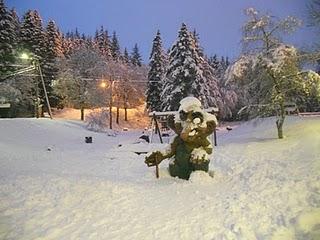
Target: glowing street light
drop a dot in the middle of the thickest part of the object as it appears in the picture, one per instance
(103, 85)
(25, 56)
(36, 64)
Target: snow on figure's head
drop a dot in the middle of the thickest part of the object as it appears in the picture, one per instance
(189, 104)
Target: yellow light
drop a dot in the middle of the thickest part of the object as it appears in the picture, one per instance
(103, 85)
(24, 56)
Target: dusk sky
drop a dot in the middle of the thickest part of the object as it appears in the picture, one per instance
(218, 22)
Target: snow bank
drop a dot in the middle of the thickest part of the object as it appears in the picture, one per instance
(263, 188)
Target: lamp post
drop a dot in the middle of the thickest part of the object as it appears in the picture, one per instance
(104, 85)
(35, 62)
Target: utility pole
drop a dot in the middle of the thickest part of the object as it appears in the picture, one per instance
(44, 87)
(110, 102)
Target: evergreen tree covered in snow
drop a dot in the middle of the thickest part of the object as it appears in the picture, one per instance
(16, 22)
(229, 98)
(126, 57)
(214, 62)
(32, 34)
(53, 51)
(115, 47)
(102, 42)
(8, 39)
(184, 76)
(209, 84)
(135, 56)
(155, 75)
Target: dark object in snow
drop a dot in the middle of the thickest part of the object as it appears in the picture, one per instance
(88, 139)
(229, 128)
(48, 149)
(140, 153)
(119, 145)
(165, 135)
(125, 129)
(145, 137)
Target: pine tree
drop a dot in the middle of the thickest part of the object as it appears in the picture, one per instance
(155, 75)
(214, 62)
(126, 57)
(115, 47)
(8, 39)
(135, 56)
(209, 84)
(53, 51)
(102, 42)
(184, 76)
(16, 24)
(32, 35)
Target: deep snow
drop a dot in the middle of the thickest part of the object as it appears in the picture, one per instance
(55, 186)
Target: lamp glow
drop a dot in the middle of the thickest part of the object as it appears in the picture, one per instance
(24, 56)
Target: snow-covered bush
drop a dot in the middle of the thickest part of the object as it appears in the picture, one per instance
(9, 93)
(98, 121)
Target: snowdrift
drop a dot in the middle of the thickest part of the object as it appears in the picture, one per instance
(55, 186)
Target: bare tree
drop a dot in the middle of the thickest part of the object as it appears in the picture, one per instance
(73, 83)
(269, 70)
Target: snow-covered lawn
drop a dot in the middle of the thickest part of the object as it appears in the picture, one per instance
(55, 186)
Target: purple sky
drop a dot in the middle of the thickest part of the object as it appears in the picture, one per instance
(136, 21)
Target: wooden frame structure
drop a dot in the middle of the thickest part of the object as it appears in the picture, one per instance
(156, 115)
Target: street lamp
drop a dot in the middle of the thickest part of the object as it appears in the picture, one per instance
(104, 85)
(35, 62)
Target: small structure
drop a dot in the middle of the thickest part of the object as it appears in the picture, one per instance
(159, 121)
(4, 108)
(291, 108)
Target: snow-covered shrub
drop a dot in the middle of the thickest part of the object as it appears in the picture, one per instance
(9, 93)
(98, 121)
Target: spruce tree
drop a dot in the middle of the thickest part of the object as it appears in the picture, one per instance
(135, 56)
(214, 62)
(102, 42)
(32, 35)
(115, 47)
(8, 39)
(16, 24)
(155, 75)
(126, 57)
(209, 84)
(184, 76)
(53, 51)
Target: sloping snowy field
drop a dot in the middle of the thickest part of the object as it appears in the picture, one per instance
(55, 186)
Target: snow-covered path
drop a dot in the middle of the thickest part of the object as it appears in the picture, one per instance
(264, 188)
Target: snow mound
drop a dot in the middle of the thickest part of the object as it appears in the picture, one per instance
(200, 177)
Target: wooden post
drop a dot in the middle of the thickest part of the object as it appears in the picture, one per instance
(215, 136)
(110, 104)
(157, 127)
(44, 89)
(157, 168)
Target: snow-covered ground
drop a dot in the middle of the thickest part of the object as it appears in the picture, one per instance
(55, 186)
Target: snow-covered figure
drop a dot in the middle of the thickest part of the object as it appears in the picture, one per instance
(190, 149)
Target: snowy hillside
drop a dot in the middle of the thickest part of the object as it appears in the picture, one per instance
(55, 186)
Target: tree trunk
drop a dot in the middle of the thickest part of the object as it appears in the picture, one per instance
(118, 112)
(125, 114)
(280, 120)
(125, 106)
(82, 112)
